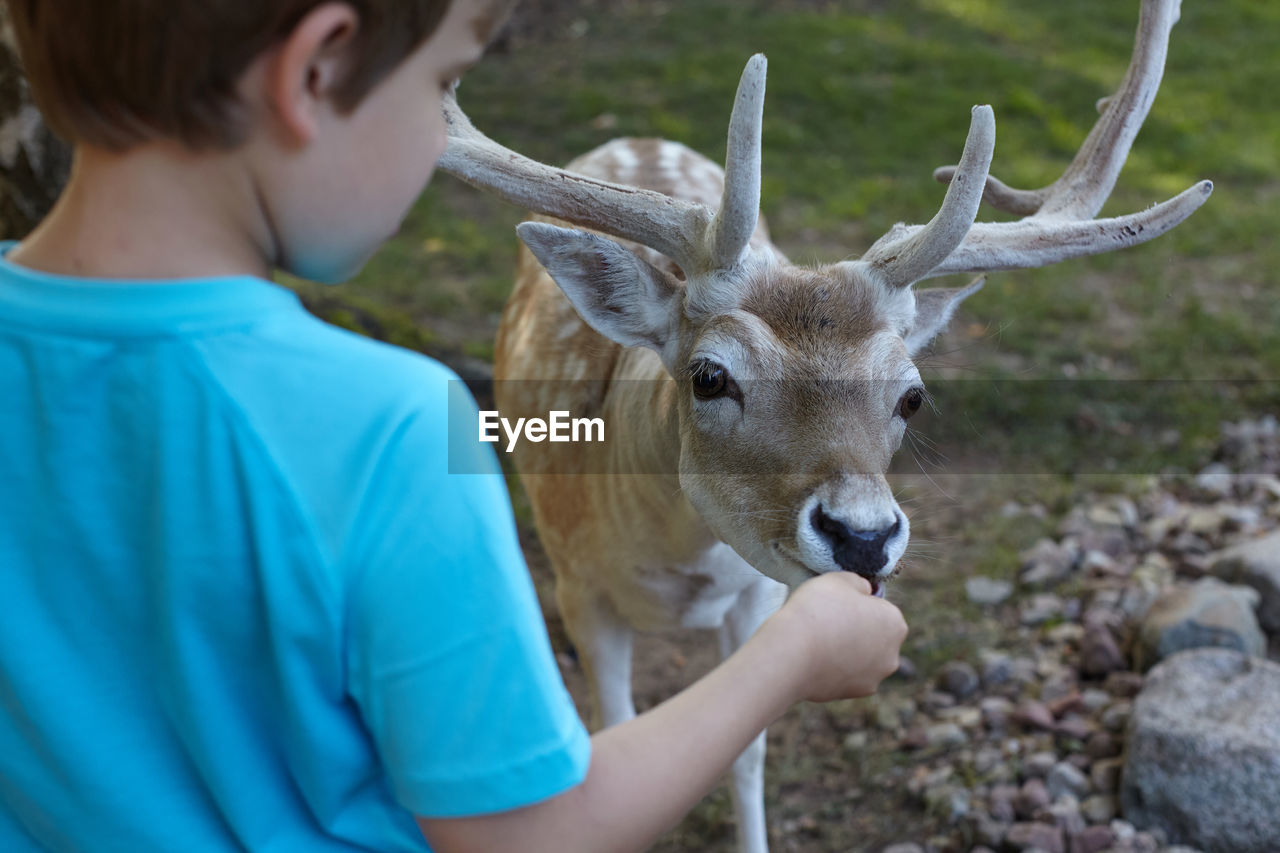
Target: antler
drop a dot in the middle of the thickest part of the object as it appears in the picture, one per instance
(1058, 221)
(687, 232)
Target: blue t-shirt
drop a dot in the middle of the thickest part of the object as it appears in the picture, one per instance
(243, 602)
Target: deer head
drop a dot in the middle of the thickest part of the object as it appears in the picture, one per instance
(794, 384)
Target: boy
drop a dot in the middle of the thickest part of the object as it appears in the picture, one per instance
(246, 606)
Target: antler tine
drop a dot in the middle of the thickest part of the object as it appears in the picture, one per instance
(740, 204)
(1058, 222)
(908, 253)
(674, 227)
(1037, 242)
(1085, 185)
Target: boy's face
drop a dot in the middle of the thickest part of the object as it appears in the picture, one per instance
(362, 172)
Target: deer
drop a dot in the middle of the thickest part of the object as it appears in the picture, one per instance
(753, 405)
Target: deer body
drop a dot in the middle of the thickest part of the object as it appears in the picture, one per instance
(752, 406)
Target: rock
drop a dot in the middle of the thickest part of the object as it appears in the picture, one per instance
(997, 668)
(1093, 699)
(906, 668)
(1099, 652)
(948, 802)
(1215, 480)
(1203, 752)
(1064, 778)
(1047, 562)
(987, 832)
(1093, 839)
(964, 716)
(1035, 715)
(1040, 609)
(906, 847)
(854, 744)
(1035, 836)
(1000, 802)
(1207, 613)
(1065, 814)
(1255, 562)
(1123, 685)
(1032, 796)
(944, 734)
(1073, 727)
(987, 759)
(935, 700)
(958, 678)
(1116, 717)
(996, 711)
(1102, 744)
(1100, 808)
(984, 590)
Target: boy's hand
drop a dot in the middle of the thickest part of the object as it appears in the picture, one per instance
(850, 638)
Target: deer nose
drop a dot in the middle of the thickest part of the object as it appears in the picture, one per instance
(858, 551)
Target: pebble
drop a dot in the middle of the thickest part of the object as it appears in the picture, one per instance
(945, 734)
(958, 678)
(1031, 797)
(1038, 836)
(1040, 609)
(1064, 778)
(1037, 765)
(1093, 839)
(981, 589)
(1034, 715)
(1100, 808)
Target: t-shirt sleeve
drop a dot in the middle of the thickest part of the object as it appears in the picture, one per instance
(448, 655)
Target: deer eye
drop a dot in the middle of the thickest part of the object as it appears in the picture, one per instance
(709, 380)
(910, 402)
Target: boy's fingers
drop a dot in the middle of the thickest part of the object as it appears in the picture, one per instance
(863, 585)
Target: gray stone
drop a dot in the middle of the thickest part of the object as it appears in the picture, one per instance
(907, 847)
(1099, 652)
(1038, 764)
(1206, 613)
(1093, 839)
(1100, 808)
(1040, 609)
(984, 590)
(958, 678)
(1065, 813)
(996, 711)
(1032, 797)
(1064, 778)
(1203, 752)
(1256, 563)
(1035, 836)
(1047, 562)
(944, 734)
(997, 668)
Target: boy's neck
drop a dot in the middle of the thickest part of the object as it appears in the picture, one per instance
(154, 212)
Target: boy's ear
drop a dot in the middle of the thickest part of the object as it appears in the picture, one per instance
(307, 65)
(620, 295)
(934, 309)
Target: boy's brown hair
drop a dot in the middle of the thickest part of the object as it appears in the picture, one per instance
(114, 73)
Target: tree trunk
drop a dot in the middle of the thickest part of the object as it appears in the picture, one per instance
(34, 164)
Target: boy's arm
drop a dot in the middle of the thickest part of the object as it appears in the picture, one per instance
(831, 640)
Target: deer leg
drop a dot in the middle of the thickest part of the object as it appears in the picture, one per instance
(754, 605)
(603, 641)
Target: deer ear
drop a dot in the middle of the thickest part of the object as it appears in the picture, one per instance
(617, 293)
(934, 309)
